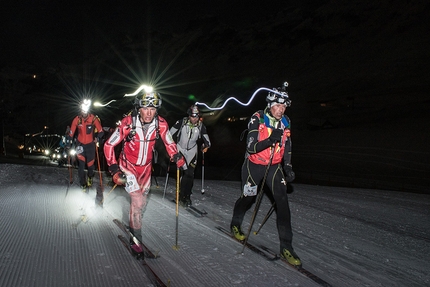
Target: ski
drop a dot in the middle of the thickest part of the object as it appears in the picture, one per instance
(191, 209)
(201, 212)
(148, 270)
(300, 269)
(250, 246)
(146, 251)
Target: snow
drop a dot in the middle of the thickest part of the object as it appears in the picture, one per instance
(53, 235)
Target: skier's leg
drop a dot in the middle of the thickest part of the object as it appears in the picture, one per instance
(90, 156)
(81, 170)
(283, 218)
(137, 204)
(251, 176)
(187, 181)
(138, 197)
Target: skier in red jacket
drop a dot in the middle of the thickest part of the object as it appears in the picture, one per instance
(89, 131)
(139, 130)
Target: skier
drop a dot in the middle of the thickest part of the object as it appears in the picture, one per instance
(89, 132)
(188, 131)
(268, 150)
(139, 131)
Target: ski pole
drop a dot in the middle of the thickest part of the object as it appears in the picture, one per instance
(70, 168)
(176, 247)
(101, 202)
(259, 197)
(167, 179)
(98, 165)
(203, 172)
(272, 208)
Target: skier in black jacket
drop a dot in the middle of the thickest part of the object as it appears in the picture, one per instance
(268, 150)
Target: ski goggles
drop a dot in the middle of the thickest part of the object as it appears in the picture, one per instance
(194, 115)
(283, 100)
(278, 99)
(151, 102)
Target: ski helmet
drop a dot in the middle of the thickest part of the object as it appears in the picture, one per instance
(278, 96)
(193, 111)
(152, 99)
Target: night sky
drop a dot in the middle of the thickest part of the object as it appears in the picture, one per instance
(358, 70)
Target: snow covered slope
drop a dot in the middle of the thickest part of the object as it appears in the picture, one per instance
(52, 235)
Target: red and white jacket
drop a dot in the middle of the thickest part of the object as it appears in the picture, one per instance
(138, 149)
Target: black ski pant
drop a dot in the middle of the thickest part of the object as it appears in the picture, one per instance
(86, 156)
(187, 180)
(252, 176)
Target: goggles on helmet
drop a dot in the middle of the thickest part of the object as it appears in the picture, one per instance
(151, 102)
(193, 111)
(279, 99)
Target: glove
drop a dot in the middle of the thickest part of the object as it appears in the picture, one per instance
(180, 161)
(117, 175)
(204, 148)
(276, 136)
(289, 173)
(119, 178)
(113, 169)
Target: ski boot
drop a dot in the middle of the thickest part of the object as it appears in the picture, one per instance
(84, 188)
(291, 257)
(237, 232)
(187, 201)
(89, 181)
(135, 247)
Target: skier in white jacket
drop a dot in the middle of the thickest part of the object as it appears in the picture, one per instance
(188, 131)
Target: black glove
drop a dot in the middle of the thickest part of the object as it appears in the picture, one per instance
(180, 161)
(113, 169)
(276, 136)
(289, 173)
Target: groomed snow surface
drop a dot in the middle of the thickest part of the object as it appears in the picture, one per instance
(52, 235)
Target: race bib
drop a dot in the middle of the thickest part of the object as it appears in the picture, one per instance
(249, 190)
(79, 149)
(131, 185)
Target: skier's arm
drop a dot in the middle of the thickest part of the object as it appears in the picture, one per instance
(167, 138)
(254, 144)
(99, 128)
(288, 168)
(73, 127)
(175, 128)
(121, 132)
(171, 148)
(205, 137)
